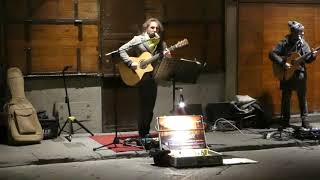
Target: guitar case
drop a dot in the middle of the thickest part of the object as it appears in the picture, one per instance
(23, 124)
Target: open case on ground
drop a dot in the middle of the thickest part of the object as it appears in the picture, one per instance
(183, 138)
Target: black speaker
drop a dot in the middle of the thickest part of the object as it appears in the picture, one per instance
(218, 110)
(229, 111)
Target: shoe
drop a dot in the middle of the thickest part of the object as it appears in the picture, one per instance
(145, 141)
(306, 124)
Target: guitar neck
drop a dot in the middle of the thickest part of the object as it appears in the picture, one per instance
(156, 56)
(302, 58)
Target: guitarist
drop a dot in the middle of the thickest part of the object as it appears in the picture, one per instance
(293, 43)
(149, 41)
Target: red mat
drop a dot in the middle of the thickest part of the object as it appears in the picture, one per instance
(107, 139)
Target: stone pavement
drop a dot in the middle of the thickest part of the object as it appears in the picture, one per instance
(60, 150)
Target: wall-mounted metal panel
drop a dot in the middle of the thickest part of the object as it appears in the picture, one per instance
(49, 35)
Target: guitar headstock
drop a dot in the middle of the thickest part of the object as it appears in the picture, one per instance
(182, 43)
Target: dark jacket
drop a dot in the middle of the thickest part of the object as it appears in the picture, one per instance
(283, 50)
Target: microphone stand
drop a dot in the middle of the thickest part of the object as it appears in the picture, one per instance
(278, 134)
(71, 119)
(116, 139)
(112, 53)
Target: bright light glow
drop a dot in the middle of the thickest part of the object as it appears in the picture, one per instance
(182, 104)
(180, 130)
(179, 122)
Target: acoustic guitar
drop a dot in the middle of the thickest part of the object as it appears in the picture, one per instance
(131, 77)
(295, 60)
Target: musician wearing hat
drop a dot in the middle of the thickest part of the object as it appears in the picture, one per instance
(293, 43)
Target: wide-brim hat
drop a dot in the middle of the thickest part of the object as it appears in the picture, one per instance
(295, 26)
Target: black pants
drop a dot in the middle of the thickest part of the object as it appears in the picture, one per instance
(147, 94)
(298, 84)
(285, 109)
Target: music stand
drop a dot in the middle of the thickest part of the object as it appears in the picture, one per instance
(71, 119)
(178, 70)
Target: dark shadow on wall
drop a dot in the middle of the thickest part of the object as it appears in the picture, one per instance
(266, 102)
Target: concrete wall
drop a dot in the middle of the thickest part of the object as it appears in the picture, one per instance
(85, 97)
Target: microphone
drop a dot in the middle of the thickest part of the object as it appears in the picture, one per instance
(156, 36)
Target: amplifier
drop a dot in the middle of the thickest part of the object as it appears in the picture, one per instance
(50, 128)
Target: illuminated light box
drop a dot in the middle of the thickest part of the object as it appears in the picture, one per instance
(184, 136)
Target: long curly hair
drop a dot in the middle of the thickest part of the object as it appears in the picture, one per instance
(146, 24)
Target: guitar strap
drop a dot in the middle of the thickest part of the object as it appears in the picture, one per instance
(294, 48)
